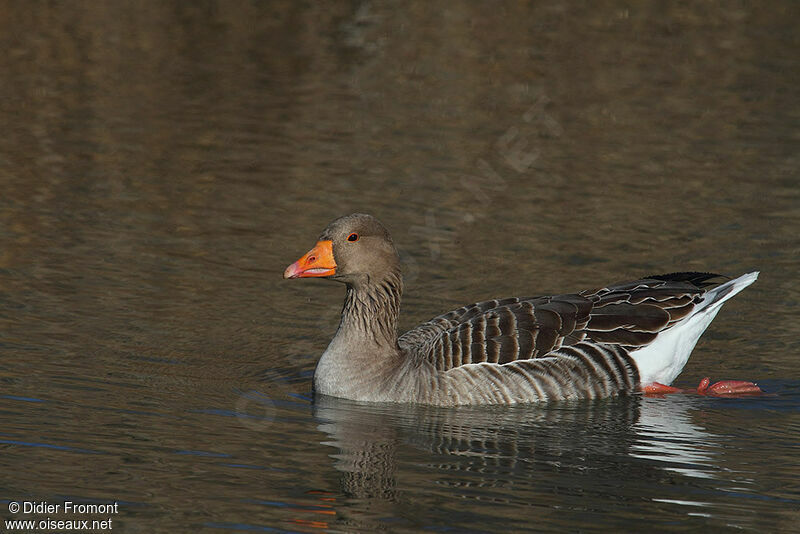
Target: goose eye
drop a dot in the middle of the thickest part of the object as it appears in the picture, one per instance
(352, 237)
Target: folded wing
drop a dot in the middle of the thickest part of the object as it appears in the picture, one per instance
(629, 315)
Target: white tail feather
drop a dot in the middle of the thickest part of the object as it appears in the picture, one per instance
(663, 360)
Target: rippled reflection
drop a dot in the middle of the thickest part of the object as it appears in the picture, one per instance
(665, 433)
(561, 456)
(576, 436)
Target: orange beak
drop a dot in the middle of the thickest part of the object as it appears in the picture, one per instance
(316, 262)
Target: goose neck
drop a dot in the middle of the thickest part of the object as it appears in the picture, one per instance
(371, 310)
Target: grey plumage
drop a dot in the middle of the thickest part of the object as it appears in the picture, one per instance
(512, 350)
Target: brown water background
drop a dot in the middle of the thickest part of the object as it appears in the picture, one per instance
(162, 162)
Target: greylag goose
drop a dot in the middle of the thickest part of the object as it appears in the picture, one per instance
(625, 338)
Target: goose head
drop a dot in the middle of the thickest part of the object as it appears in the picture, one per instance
(355, 249)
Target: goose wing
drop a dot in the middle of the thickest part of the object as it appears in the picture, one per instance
(629, 315)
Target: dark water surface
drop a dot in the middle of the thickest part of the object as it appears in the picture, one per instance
(162, 162)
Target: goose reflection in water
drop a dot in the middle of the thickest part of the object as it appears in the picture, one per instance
(565, 455)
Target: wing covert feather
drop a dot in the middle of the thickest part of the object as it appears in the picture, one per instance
(501, 331)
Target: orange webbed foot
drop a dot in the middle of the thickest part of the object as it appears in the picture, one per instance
(656, 390)
(728, 388)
